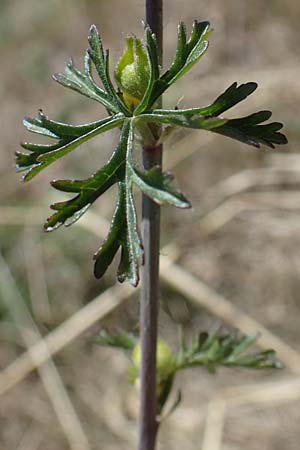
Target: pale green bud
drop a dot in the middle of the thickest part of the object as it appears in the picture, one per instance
(164, 357)
(132, 72)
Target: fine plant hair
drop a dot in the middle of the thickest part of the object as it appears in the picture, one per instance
(135, 113)
(133, 105)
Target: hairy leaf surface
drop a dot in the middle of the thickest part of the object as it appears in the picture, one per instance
(138, 118)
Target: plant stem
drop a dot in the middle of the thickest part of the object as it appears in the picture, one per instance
(152, 156)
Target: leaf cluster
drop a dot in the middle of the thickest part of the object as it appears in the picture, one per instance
(136, 124)
(208, 351)
(229, 350)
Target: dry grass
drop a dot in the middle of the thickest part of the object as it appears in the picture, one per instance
(237, 257)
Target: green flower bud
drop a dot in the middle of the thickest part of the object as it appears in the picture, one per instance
(132, 72)
(164, 358)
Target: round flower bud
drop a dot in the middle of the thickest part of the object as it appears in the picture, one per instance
(164, 357)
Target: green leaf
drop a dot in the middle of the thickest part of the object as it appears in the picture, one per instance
(187, 53)
(231, 97)
(225, 350)
(132, 249)
(180, 56)
(158, 186)
(83, 83)
(90, 189)
(182, 120)
(246, 129)
(36, 125)
(260, 360)
(250, 131)
(244, 343)
(154, 71)
(101, 62)
(186, 56)
(190, 53)
(42, 125)
(124, 231)
(69, 137)
(115, 238)
(124, 234)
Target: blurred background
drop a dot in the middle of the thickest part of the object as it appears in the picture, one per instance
(241, 239)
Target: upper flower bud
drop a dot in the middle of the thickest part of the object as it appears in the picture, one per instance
(132, 72)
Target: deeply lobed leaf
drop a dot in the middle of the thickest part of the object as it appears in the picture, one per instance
(101, 62)
(158, 186)
(188, 53)
(209, 351)
(88, 190)
(84, 83)
(124, 231)
(141, 116)
(227, 350)
(121, 236)
(248, 130)
(231, 97)
(68, 138)
(115, 239)
(154, 71)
